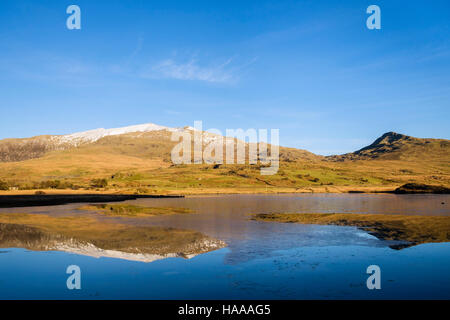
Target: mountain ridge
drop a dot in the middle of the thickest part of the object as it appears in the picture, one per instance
(390, 146)
(19, 149)
(130, 161)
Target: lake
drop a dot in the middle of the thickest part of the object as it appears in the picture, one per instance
(260, 260)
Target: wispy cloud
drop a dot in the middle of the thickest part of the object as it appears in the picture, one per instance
(44, 66)
(191, 70)
(173, 112)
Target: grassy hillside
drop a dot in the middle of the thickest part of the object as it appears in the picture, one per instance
(395, 146)
(24, 149)
(140, 162)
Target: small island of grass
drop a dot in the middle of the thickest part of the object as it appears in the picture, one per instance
(128, 210)
(412, 229)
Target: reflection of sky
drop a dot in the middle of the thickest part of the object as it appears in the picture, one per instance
(262, 260)
(303, 272)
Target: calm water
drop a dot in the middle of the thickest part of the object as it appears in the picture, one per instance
(261, 260)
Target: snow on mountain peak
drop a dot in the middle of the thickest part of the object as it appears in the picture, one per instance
(96, 134)
(91, 136)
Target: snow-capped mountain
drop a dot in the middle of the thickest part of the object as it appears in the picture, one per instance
(147, 136)
(30, 148)
(97, 134)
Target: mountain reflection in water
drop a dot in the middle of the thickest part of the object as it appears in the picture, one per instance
(88, 237)
(261, 260)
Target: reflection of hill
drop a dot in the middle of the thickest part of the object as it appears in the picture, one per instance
(412, 230)
(89, 237)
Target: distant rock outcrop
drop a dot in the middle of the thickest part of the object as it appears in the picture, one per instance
(24, 149)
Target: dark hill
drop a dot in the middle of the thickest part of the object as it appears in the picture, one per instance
(396, 146)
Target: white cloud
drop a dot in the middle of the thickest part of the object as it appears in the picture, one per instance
(190, 71)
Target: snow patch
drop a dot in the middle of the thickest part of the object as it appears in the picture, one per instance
(97, 134)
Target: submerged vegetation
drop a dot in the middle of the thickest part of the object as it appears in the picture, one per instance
(413, 229)
(128, 210)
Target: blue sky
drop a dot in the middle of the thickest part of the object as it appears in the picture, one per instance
(309, 68)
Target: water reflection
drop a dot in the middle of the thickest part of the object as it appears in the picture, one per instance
(227, 218)
(261, 260)
(91, 238)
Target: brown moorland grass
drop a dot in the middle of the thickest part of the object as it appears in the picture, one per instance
(140, 163)
(152, 177)
(413, 229)
(128, 210)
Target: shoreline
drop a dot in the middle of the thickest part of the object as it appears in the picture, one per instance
(412, 230)
(14, 201)
(25, 198)
(212, 191)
